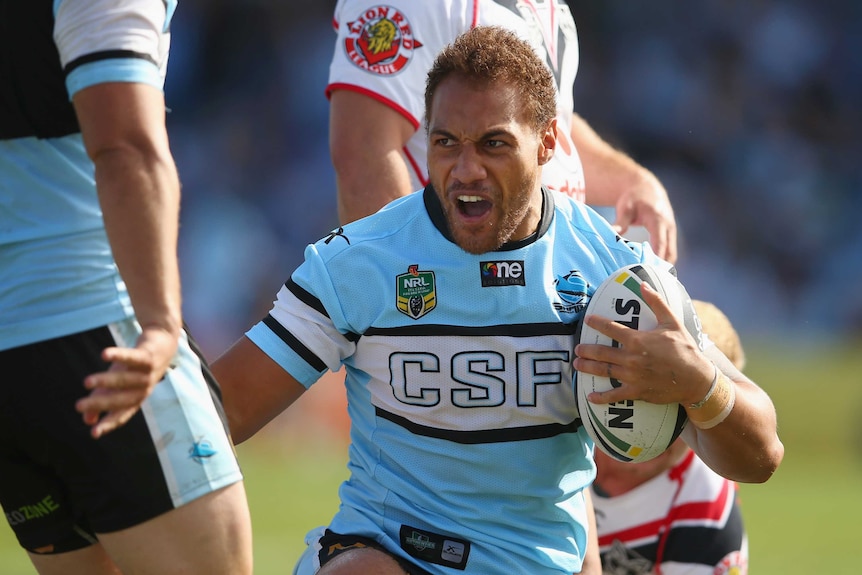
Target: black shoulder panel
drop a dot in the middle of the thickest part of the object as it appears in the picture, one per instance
(33, 97)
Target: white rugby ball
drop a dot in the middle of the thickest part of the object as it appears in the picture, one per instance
(632, 430)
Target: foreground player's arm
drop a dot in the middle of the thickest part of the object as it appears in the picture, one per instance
(123, 127)
(665, 365)
(744, 446)
(366, 139)
(614, 179)
(255, 389)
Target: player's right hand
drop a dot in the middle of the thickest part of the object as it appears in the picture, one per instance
(118, 393)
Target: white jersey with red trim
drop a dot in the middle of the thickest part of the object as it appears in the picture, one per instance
(685, 521)
(385, 49)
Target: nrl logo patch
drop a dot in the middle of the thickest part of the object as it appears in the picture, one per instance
(415, 292)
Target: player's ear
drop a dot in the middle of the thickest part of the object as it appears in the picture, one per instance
(548, 143)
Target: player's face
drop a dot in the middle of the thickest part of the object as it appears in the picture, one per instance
(485, 161)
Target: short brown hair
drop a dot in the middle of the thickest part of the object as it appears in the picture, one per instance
(491, 54)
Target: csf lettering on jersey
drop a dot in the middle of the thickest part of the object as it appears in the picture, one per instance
(513, 388)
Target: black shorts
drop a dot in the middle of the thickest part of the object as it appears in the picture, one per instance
(59, 486)
(334, 544)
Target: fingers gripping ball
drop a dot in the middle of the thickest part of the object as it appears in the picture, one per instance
(634, 430)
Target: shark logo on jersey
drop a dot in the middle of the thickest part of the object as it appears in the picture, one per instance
(380, 41)
(573, 290)
(416, 293)
(201, 450)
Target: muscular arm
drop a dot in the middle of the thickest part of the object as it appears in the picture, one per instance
(614, 179)
(664, 365)
(745, 447)
(123, 127)
(255, 389)
(366, 139)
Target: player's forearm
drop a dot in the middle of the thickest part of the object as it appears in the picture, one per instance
(139, 195)
(607, 170)
(744, 446)
(254, 388)
(123, 126)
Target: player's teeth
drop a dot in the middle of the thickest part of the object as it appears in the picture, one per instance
(470, 198)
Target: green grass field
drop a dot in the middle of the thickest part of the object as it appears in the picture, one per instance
(805, 520)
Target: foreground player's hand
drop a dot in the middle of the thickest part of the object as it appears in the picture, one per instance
(661, 365)
(118, 393)
(648, 205)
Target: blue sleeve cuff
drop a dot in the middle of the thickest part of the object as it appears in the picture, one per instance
(136, 70)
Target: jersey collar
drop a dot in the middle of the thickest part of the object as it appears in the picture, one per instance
(435, 212)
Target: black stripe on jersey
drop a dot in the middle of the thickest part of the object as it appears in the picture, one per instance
(311, 301)
(305, 296)
(705, 545)
(309, 356)
(484, 435)
(105, 55)
(505, 330)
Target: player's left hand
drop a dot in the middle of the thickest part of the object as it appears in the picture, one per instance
(662, 365)
(118, 393)
(647, 204)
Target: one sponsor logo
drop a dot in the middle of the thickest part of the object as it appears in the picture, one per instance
(380, 41)
(201, 450)
(36, 510)
(502, 273)
(415, 291)
(573, 291)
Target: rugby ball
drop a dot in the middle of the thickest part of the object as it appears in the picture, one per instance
(632, 430)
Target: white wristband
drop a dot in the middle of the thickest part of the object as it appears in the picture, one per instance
(712, 387)
(722, 415)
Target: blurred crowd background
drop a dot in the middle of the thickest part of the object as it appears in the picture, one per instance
(749, 111)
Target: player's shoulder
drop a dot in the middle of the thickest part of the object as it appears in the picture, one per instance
(119, 42)
(587, 225)
(376, 231)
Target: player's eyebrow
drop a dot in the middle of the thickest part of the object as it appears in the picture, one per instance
(492, 134)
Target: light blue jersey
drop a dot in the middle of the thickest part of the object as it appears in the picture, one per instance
(466, 446)
(58, 274)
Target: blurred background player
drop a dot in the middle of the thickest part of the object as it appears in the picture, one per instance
(672, 515)
(147, 482)
(376, 87)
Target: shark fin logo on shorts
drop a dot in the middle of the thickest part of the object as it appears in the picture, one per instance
(201, 450)
(380, 41)
(416, 292)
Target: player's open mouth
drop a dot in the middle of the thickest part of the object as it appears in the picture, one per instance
(473, 206)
